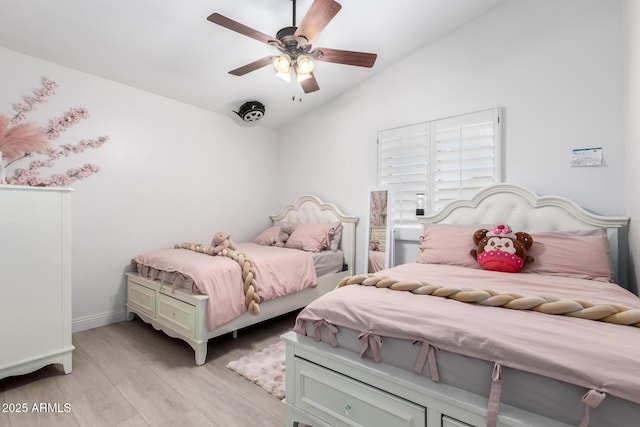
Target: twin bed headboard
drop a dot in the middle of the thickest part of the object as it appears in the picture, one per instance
(310, 208)
(524, 210)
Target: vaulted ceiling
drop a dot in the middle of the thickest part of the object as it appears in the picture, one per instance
(170, 49)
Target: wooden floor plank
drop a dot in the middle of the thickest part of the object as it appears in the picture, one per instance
(42, 403)
(128, 374)
(91, 394)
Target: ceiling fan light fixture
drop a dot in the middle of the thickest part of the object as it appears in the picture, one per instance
(305, 65)
(282, 64)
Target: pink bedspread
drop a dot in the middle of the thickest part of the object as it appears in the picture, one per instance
(588, 353)
(279, 272)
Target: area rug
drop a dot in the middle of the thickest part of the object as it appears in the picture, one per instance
(264, 368)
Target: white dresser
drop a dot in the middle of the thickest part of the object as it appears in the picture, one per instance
(35, 278)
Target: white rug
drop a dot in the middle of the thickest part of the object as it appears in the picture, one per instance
(264, 368)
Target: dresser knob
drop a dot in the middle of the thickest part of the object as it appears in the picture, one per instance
(347, 409)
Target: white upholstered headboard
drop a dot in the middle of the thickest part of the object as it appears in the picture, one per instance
(524, 210)
(310, 208)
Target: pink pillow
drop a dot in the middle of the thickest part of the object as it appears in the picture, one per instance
(268, 237)
(310, 237)
(448, 244)
(583, 255)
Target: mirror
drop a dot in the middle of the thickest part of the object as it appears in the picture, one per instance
(378, 255)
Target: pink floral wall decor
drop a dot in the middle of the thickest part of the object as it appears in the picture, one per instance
(20, 141)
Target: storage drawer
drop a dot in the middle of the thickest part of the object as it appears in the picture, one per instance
(342, 401)
(180, 315)
(141, 298)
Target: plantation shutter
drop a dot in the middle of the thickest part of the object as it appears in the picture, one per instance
(465, 151)
(445, 159)
(402, 167)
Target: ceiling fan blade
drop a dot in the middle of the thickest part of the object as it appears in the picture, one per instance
(318, 16)
(252, 66)
(347, 57)
(221, 20)
(310, 84)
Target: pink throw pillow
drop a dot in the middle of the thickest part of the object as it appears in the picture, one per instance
(571, 255)
(268, 237)
(310, 237)
(448, 244)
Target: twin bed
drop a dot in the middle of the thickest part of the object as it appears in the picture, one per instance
(194, 295)
(371, 355)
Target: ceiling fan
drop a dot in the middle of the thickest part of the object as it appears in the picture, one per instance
(295, 45)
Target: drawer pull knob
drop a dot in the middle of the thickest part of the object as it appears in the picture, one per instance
(347, 409)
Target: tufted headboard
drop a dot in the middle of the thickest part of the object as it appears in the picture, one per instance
(310, 208)
(524, 210)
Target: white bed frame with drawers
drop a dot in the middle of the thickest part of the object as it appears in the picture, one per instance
(181, 314)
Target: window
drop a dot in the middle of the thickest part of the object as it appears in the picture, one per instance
(445, 159)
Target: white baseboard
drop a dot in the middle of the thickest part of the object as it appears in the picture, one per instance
(89, 322)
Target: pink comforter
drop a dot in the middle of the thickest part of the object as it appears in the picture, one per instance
(588, 353)
(279, 272)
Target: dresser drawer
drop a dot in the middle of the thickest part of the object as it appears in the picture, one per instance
(342, 401)
(180, 315)
(141, 298)
(452, 422)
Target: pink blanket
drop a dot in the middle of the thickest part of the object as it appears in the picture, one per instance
(279, 272)
(588, 353)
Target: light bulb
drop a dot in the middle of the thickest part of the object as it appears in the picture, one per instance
(305, 65)
(282, 63)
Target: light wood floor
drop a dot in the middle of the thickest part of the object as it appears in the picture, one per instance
(129, 374)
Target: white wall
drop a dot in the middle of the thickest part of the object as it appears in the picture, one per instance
(556, 68)
(632, 128)
(170, 173)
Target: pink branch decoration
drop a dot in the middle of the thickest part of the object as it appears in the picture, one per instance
(60, 124)
(31, 176)
(48, 89)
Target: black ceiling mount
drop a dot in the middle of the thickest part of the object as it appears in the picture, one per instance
(251, 111)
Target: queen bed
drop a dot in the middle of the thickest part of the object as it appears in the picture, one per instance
(196, 293)
(378, 356)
